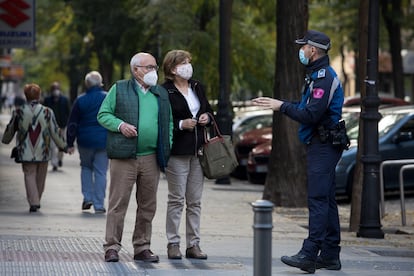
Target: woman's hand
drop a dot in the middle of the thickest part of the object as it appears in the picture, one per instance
(188, 124)
(204, 119)
(71, 150)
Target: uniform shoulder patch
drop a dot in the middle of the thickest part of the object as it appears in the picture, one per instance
(318, 93)
(321, 73)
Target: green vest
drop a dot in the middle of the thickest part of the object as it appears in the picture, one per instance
(127, 109)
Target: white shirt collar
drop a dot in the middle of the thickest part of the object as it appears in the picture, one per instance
(143, 89)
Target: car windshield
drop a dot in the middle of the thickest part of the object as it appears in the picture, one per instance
(352, 124)
(255, 123)
(387, 121)
(384, 125)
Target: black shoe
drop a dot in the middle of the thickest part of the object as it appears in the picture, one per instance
(300, 261)
(100, 211)
(86, 205)
(54, 168)
(111, 255)
(329, 264)
(33, 208)
(60, 163)
(146, 256)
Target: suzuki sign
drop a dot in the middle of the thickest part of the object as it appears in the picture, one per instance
(17, 23)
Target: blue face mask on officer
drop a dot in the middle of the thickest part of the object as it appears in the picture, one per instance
(303, 59)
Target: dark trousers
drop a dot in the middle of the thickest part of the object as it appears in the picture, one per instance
(324, 228)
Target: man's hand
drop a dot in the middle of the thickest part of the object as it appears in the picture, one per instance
(268, 103)
(128, 130)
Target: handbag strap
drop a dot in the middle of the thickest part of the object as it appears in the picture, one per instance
(215, 128)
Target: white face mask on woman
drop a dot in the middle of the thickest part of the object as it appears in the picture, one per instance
(185, 71)
(151, 78)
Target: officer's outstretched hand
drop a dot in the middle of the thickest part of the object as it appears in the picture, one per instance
(268, 103)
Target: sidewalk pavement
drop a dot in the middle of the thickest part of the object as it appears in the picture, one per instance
(60, 239)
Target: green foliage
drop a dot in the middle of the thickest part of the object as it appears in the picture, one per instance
(338, 19)
(43, 64)
(75, 36)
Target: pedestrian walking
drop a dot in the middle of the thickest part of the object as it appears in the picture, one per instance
(36, 128)
(138, 117)
(61, 107)
(90, 136)
(319, 114)
(190, 109)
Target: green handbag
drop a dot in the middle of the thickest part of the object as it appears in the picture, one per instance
(217, 157)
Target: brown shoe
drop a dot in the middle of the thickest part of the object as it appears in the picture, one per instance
(195, 253)
(174, 251)
(111, 255)
(147, 256)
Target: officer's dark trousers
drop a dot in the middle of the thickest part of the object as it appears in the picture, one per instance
(324, 229)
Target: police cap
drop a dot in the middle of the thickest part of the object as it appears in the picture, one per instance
(316, 39)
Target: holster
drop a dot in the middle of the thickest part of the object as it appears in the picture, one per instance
(336, 136)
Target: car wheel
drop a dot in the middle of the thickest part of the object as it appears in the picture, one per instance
(256, 178)
(239, 172)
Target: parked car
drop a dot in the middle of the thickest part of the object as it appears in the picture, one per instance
(385, 101)
(257, 121)
(245, 122)
(396, 141)
(257, 163)
(248, 140)
(241, 119)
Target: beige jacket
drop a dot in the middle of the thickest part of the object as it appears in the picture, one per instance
(35, 125)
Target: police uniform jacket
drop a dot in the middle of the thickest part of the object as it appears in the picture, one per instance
(321, 103)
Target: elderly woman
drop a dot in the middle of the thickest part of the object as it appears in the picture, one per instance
(35, 125)
(190, 109)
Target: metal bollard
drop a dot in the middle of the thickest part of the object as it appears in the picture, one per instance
(263, 224)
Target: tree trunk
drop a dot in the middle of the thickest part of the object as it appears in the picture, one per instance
(392, 14)
(106, 67)
(73, 73)
(362, 72)
(286, 181)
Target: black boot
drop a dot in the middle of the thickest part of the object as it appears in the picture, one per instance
(300, 261)
(329, 264)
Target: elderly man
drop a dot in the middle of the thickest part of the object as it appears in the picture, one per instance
(138, 117)
(83, 127)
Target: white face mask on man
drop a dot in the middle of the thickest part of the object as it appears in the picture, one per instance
(185, 71)
(56, 92)
(151, 78)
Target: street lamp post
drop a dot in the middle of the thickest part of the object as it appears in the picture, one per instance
(370, 226)
(224, 117)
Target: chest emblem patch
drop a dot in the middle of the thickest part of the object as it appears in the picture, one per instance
(318, 93)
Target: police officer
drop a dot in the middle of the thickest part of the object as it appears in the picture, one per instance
(319, 113)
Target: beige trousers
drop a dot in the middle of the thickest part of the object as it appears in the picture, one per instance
(124, 174)
(185, 186)
(34, 180)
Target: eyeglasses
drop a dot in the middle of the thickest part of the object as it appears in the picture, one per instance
(149, 67)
